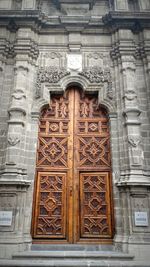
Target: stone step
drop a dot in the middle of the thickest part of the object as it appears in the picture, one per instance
(72, 255)
(71, 247)
(69, 263)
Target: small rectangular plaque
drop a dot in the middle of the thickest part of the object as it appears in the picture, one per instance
(141, 218)
(5, 218)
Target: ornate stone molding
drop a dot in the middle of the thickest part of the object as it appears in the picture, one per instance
(53, 55)
(100, 76)
(120, 19)
(97, 75)
(49, 75)
(30, 49)
(132, 116)
(8, 49)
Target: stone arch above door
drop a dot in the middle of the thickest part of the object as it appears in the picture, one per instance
(45, 86)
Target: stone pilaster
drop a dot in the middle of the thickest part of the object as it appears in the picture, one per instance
(16, 123)
(132, 120)
(131, 150)
(123, 53)
(144, 54)
(14, 177)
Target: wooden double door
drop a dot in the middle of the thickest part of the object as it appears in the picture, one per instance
(73, 172)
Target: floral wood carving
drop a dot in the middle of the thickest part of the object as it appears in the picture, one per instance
(49, 75)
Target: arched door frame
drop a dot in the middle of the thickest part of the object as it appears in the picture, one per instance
(109, 105)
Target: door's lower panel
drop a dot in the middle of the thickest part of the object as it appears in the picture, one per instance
(50, 207)
(95, 216)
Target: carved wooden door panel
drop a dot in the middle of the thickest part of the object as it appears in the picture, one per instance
(73, 184)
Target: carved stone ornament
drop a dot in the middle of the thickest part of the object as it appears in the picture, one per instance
(97, 75)
(13, 140)
(3, 133)
(134, 141)
(130, 95)
(49, 75)
(18, 94)
(9, 51)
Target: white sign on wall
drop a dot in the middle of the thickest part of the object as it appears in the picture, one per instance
(5, 218)
(141, 218)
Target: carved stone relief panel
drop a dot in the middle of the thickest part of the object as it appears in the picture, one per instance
(52, 68)
(96, 59)
(135, 150)
(50, 75)
(140, 203)
(52, 59)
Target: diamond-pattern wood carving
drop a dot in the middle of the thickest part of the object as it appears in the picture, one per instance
(93, 135)
(53, 138)
(51, 208)
(73, 196)
(95, 205)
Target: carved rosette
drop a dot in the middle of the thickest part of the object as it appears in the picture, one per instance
(49, 75)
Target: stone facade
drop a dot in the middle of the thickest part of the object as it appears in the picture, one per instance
(102, 46)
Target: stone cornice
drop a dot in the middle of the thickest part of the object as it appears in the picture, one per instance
(38, 20)
(135, 21)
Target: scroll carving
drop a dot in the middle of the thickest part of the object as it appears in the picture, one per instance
(49, 75)
(99, 75)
